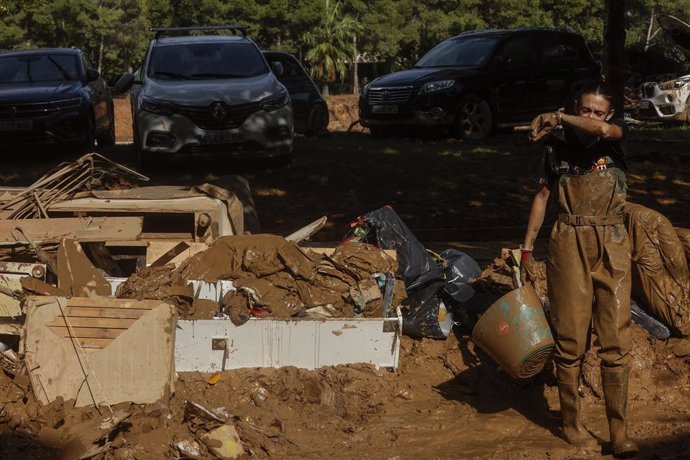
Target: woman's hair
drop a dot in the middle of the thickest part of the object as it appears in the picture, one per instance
(598, 88)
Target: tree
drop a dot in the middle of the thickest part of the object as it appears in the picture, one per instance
(330, 45)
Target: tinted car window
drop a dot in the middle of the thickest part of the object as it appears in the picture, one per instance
(517, 52)
(562, 48)
(38, 68)
(470, 51)
(206, 60)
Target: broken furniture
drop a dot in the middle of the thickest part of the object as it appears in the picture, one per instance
(99, 350)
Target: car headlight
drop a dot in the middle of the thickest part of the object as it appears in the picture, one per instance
(275, 101)
(365, 89)
(434, 86)
(157, 106)
(68, 103)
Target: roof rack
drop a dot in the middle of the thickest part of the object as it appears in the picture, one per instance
(172, 30)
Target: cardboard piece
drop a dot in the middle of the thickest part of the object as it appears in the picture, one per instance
(76, 274)
(98, 352)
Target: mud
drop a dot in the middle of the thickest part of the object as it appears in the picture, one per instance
(498, 278)
(447, 400)
(273, 277)
(343, 112)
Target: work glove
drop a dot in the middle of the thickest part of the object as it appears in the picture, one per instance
(543, 124)
(528, 268)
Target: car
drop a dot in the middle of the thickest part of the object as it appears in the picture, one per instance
(668, 101)
(211, 94)
(310, 109)
(477, 80)
(54, 96)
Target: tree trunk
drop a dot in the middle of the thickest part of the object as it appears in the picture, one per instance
(650, 35)
(355, 75)
(324, 90)
(614, 51)
(100, 55)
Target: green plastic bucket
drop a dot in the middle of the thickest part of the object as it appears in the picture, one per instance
(515, 333)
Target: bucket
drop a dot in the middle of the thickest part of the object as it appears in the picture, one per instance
(515, 333)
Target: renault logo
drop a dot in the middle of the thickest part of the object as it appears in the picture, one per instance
(218, 111)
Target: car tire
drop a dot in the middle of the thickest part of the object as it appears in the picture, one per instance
(317, 120)
(142, 160)
(107, 138)
(89, 144)
(474, 118)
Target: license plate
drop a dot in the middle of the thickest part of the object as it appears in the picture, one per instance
(220, 138)
(16, 125)
(384, 109)
(644, 104)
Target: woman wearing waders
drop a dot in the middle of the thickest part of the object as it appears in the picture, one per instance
(588, 256)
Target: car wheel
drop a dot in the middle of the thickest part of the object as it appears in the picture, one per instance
(107, 139)
(317, 121)
(474, 118)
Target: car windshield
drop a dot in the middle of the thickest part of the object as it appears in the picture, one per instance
(459, 52)
(38, 68)
(206, 60)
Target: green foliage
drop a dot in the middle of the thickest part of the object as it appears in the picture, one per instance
(390, 33)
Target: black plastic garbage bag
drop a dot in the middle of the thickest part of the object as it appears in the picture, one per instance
(415, 266)
(425, 313)
(459, 269)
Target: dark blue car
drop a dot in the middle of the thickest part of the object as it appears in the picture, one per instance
(54, 97)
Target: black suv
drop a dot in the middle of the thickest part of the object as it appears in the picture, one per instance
(54, 96)
(477, 80)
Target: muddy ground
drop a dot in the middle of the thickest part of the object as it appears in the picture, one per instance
(447, 399)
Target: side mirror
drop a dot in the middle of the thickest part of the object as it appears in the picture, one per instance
(278, 69)
(124, 83)
(92, 75)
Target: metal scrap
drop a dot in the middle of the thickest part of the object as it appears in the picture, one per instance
(66, 181)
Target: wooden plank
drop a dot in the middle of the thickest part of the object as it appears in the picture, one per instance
(177, 205)
(95, 312)
(91, 323)
(95, 343)
(81, 229)
(87, 332)
(109, 302)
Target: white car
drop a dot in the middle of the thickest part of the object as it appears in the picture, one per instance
(208, 94)
(666, 101)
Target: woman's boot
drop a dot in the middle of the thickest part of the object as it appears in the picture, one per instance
(615, 383)
(573, 431)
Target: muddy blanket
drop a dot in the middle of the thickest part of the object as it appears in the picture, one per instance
(661, 281)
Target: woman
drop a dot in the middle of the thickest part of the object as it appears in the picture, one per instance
(588, 257)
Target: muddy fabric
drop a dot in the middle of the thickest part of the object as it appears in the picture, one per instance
(232, 257)
(361, 260)
(684, 236)
(661, 280)
(588, 271)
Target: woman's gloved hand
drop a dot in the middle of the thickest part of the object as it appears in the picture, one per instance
(543, 124)
(528, 268)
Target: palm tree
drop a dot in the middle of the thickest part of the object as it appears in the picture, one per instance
(330, 46)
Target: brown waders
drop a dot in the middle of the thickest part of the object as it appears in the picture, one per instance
(588, 269)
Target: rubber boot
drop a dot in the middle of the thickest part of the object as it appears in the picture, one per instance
(615, 383)
(573, 431)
